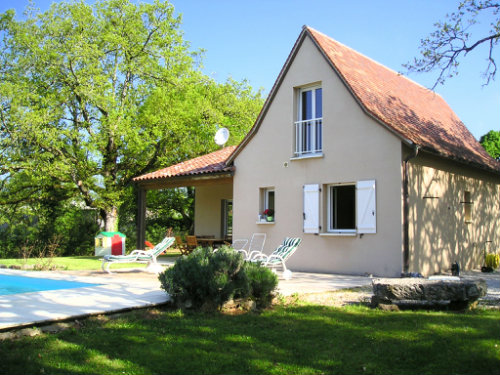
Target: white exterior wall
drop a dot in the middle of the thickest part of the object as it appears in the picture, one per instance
(208, 209)
(355, 148)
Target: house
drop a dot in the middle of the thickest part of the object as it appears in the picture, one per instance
(376, 173)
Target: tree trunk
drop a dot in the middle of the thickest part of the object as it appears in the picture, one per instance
(111, 220)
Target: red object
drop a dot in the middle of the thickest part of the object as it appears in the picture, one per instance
(149, 244)
(116, 245)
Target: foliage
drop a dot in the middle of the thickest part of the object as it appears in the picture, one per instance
(455, 37)
(492, 260)
(262, 282)
(206, 279)
(95, 95)
(24, 227)
(491, 143)
(92, 96)
(293, 339)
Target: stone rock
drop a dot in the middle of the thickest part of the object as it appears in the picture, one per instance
(458, 293)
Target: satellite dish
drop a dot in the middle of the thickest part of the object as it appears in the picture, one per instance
(221, 136)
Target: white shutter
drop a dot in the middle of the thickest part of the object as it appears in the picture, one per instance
(311, 208)
(366, 208)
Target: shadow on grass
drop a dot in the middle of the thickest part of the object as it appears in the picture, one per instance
(291, 340)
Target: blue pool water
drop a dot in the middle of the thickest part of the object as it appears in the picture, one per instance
(10, 284)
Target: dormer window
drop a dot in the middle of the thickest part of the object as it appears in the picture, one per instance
(309, 124)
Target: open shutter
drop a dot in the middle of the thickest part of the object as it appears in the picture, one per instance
(311, 208)
(366, 213)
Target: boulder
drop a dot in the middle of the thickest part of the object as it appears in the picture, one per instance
(458, 293)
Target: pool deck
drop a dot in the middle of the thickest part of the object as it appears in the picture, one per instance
(132, 288)
(116, 292)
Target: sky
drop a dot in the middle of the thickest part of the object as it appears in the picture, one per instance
(251, 39)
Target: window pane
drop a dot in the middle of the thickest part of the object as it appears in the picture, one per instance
(342, 209)
(306, 105)
(270, 199)
(319, 103)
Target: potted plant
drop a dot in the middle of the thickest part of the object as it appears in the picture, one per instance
(492, 261)
(269, 214)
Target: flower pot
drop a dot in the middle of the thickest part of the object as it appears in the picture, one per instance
(270, 218)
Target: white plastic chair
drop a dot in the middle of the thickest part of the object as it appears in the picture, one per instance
(239, 245)
(256, 245)
(139, 256)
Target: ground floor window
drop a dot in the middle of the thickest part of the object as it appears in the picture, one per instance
(341, 207)
(267, 209)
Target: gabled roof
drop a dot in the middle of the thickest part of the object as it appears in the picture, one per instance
(214, 162)
(417, 115)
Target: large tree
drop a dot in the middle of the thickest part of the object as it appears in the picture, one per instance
(92, 96)
(491, 143)
(459, 34)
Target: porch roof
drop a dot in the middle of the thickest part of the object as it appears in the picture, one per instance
(191, 172)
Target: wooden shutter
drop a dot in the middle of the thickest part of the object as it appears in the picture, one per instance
(311, 208)
(366, 208)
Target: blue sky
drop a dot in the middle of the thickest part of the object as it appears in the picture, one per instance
(251, 39)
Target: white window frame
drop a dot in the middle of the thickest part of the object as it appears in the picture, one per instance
(312, 126)
(264, 204)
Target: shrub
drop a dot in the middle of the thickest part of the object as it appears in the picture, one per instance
(206, 280)
(492, 260)
(262, 283)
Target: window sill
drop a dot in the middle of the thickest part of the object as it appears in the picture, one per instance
(265, 222)
(308, 156)
(339, 234)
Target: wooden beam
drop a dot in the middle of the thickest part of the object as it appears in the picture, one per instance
(172, 182)
(141, 218)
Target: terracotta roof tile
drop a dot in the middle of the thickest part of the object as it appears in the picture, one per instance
(415, 113)
(210, 163)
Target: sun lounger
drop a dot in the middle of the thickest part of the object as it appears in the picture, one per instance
(138, 256)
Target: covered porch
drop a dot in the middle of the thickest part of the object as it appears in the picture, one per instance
(212, 179)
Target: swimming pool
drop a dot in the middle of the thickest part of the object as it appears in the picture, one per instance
(13, 284)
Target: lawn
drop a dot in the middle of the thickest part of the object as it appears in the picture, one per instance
(76, 263)
(293, 339)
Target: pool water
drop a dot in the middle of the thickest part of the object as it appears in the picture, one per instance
(10, 284)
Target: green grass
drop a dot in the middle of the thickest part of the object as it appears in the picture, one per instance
(298, 339)
(76, 263)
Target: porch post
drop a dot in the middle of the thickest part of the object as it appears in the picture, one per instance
(141, 217)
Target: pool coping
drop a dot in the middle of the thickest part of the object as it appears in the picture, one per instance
(112, 295)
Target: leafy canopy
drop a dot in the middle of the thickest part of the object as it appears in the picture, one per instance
(491, 143)
(94, 95)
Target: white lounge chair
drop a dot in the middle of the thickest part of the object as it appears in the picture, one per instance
(139, 256)
(279, 256)
(256, 245)
(239, 246)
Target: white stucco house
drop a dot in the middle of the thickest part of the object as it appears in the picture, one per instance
(374, 172)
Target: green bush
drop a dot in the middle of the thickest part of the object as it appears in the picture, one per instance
(492, 260)
(206, 280)
(262, 283)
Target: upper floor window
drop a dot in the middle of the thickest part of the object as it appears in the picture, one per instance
(309, 124)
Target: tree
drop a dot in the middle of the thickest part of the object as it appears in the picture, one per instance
(455, 37)
(92, 96)
(491, 143)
